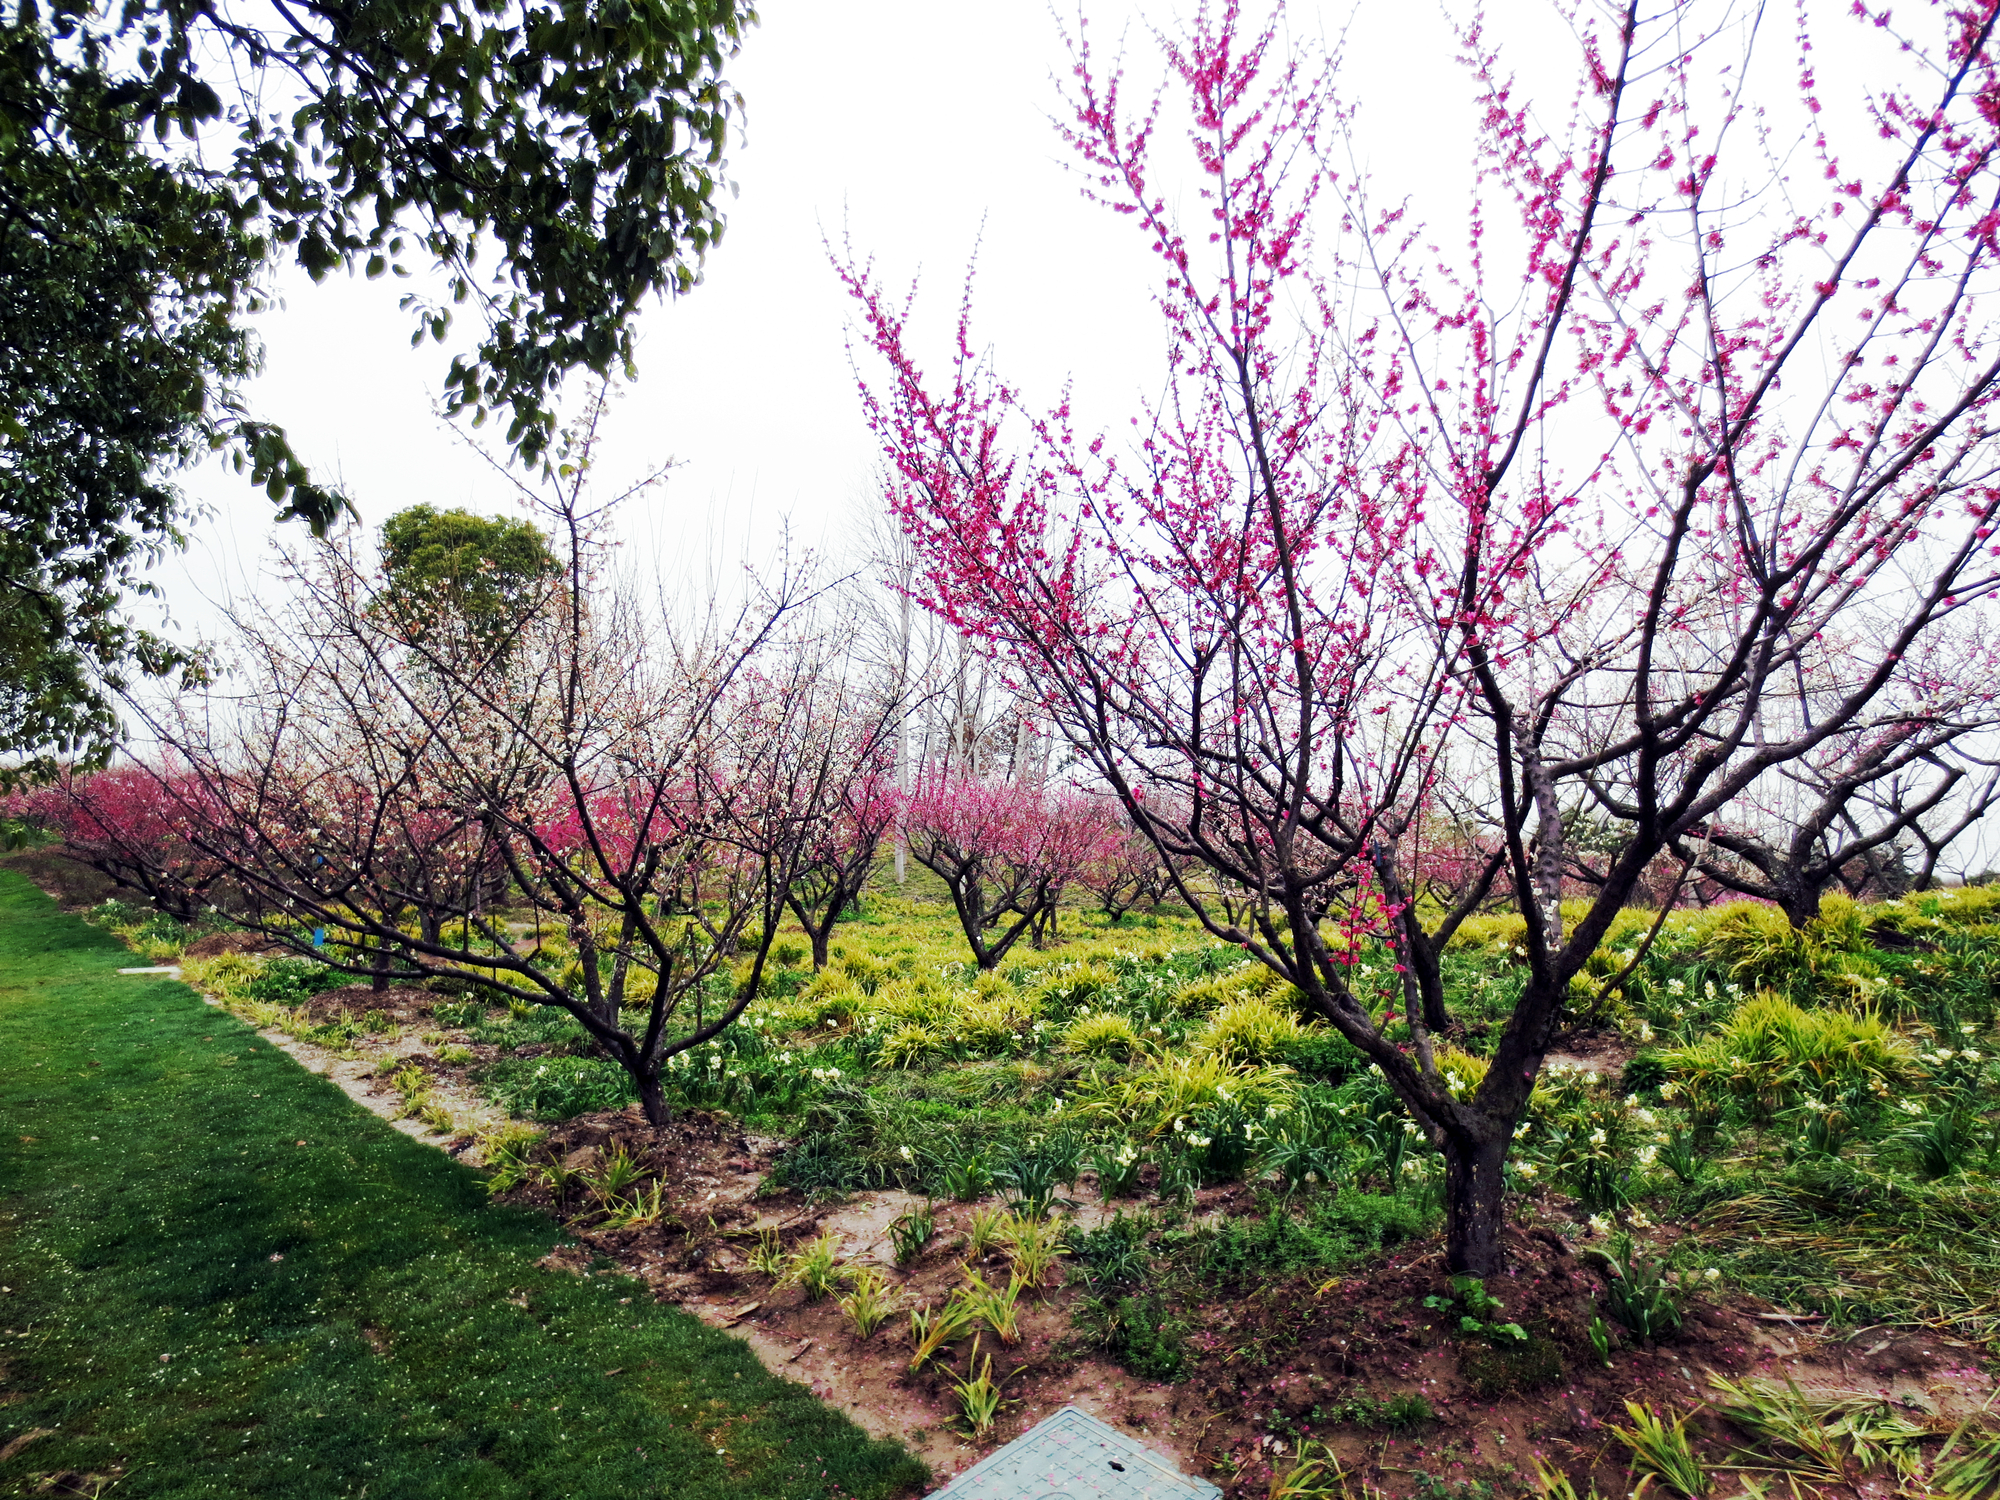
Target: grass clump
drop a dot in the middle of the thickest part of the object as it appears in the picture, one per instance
(869, 1304)
(1142, 1331)
(1771, 1053)
(1662, 1453)
(1401, 1414)
(1252, 1030)
(1106, 1034)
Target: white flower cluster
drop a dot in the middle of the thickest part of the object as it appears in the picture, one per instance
(1945, 1055)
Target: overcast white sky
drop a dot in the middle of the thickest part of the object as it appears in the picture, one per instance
(920, 130)
(917, 128)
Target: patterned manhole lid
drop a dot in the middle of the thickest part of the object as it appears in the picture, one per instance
(1073, 1456)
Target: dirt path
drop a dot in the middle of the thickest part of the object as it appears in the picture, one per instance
(362, 1079)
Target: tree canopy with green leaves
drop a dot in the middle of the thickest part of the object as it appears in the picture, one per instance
(477, 577)
(147, 185)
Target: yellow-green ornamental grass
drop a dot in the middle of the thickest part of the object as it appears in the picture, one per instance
(1106, 1034)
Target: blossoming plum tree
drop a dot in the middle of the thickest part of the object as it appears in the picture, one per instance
(1547, 519)
(1005, 850)
(644, 795)
(1914, 770)
(129, 825)
(841, 857)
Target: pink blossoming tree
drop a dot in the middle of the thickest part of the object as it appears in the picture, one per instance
(1546, 518)
(1004, 849)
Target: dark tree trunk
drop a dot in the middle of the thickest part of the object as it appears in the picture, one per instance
(1421, 955)
(1800, 905)
(652, 1098)
(1475, 1201)
(1424, 960)
(380, 979)
(821, 941)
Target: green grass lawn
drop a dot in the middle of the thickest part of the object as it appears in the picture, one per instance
(225, 1279)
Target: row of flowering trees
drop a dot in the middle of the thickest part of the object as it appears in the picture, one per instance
(1007, 851)
(568, 799)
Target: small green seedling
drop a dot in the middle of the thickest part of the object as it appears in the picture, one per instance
(1476, 1308)
(1600, 1339)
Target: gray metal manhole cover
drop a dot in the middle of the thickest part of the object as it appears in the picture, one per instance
(1073, 1456)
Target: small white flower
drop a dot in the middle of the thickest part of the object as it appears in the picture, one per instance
(1711, 1274)
(1199, 1142)
(1669, 1089)
(906, 1153)
(1970, 1056)
(1599, 1224)
(1631, 1101)
(1597, 1136)
(1521, 1130)
(1527, 1169)
(1639, 1220)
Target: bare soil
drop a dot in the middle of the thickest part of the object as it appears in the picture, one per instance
(1275, 1360)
